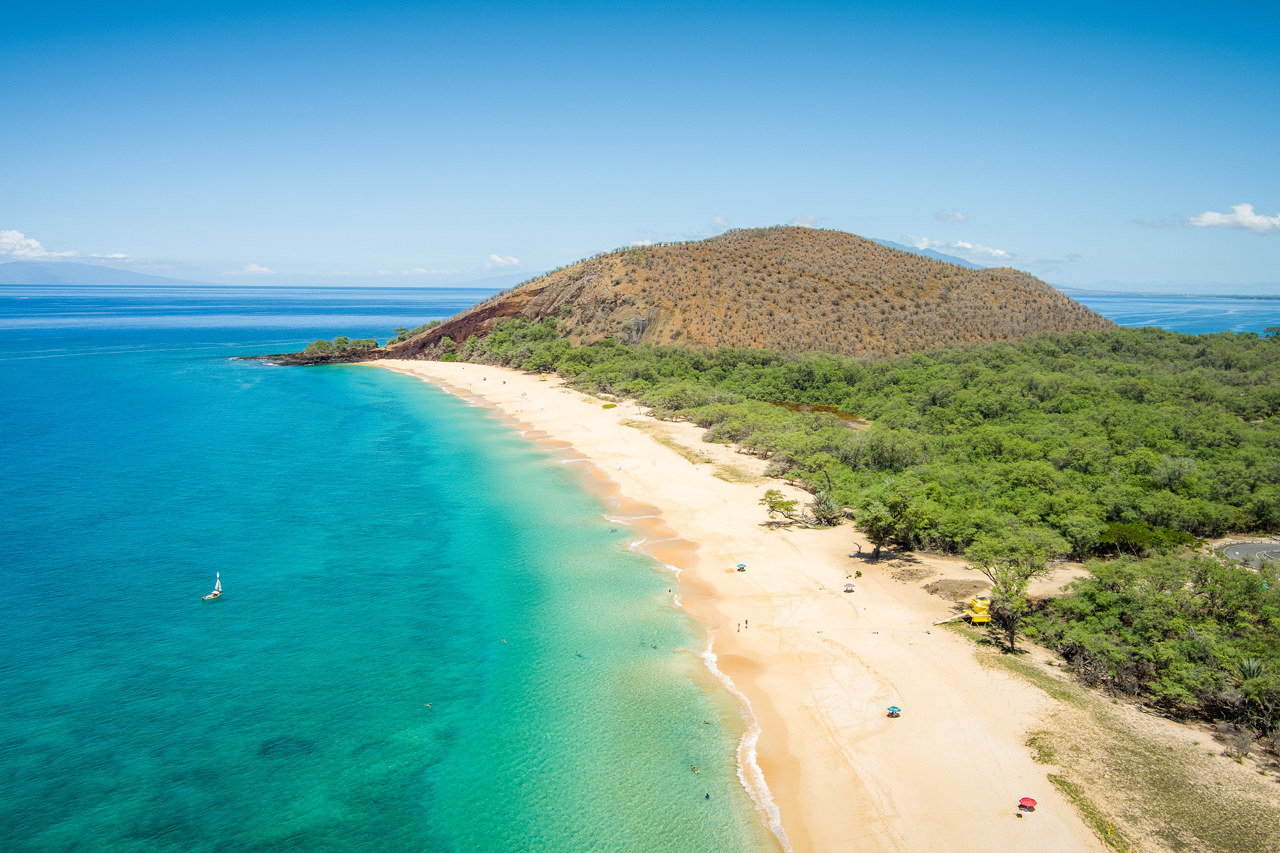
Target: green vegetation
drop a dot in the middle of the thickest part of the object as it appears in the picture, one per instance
(403, 334)
(339, 345)
(1191, 634)
(777, 504)
(1010, 561)
(1090, 812)
(1129, 441)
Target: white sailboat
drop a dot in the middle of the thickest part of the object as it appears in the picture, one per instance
(217, 588)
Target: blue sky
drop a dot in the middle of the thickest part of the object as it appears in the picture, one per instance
(418, 144)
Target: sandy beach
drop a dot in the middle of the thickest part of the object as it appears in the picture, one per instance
(817, 665)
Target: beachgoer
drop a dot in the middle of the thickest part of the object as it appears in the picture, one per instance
(694, 769)
(739, 627)
(708, 796)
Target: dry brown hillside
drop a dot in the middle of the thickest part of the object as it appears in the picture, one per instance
(781, 288)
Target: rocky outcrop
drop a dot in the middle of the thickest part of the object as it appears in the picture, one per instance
(298, 359)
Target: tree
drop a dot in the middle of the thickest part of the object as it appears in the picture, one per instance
(878, 523)
(1272, 331)
(320, 347)
(894, 509)
(778, 504)
(341, 342)
(1010, 561)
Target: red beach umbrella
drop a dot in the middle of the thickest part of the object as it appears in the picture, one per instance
(1028, 802)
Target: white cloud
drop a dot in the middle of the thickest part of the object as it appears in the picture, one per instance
(641, 243)
(252, 269)
(719, 222)
(986, 255)
(805, 221)
(1158, 223)
(16, 246)
(950, 216)
(421, 271)
(1244, 218)
(975, 252)
(502, 261)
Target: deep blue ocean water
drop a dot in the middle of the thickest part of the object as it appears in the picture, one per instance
(1191, 314)
(378, 541)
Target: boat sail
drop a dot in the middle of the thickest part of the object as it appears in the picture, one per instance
(217, 588)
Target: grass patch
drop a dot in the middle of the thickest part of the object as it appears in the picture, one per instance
(978, 637)
(1063, 691)
(735, 474)
(666, 441)
(1042, 750)
(1096, 819)
(609, 406)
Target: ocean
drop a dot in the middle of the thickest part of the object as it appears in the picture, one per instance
(432, 638)
(1191, 314)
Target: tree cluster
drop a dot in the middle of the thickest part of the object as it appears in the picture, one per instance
(1192, 635)
(1122, 441)
(339, 345)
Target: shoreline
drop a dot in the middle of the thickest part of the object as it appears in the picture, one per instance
(812, 667)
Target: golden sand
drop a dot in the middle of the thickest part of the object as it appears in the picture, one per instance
(817, 666)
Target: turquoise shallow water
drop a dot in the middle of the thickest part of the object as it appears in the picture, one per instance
(378, 541)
